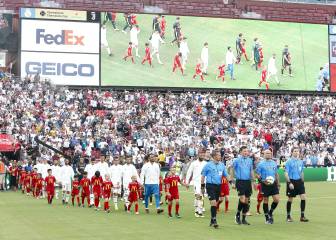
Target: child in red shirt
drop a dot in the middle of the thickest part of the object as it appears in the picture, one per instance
(38, 186)
(85, 188)
(75, 191)
(96, 183)
(129, 52)
(134, 195)
(50, 186)
(107, 188)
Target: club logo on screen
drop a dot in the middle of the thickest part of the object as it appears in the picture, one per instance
(59, 69)
(66, 37)
(333, 49)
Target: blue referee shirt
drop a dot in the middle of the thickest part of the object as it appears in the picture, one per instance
(242, 167)
(213, 172)
(294, 168)
(266, 169)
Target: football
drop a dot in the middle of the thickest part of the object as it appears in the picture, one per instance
(269, 180)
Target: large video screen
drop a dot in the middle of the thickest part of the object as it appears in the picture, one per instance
(215, 53)
(65, 51)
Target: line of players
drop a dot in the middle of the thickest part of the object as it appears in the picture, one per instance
(180, 59)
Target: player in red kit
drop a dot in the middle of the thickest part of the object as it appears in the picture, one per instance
(147, 55)
(96, 183)
(224, 194)
(129, 52)
(161, 183)
(133, 20)
(163, 25)
(107, 189)
(198, 70)
(261, 57)
(38, 186)
(23, 175)
(221, 74)
(34, 176)
(85, 188)
(75, 191)
(243, 49)
(134, 195)
(177, 62)
(263, 79)
(260, 197)
(50, 186)
(173, 193)
(27, 182)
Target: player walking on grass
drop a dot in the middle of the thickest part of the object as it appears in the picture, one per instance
(198, 71)
(129, 53)
(230, 60)
(156, 40)
(135, 30)
(85, 188)
(67, 174)
(184, 49)
(134, 195)
(107, 189)
(116, 173)
(272, 70)
(264, 78)
(96, 183)
(129, 170)
(39, 186)
(177, 31)
(150, 178)
(172, 192)
(221, 74)
(50, 181)
(163, 25)
(75, 191)
(242, 170)
(267, 172)
(205, 58)
(177, 62)
(239, 49)
(286, 61)
(295, 183)
(103, 39)
(212, 174)
(194, 173)
(147, 56)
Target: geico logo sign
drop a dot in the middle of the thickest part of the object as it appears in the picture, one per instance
(67, 37)
(60, 69)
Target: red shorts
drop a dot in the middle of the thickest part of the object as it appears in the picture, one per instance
(133, 197)
(38, 190)
(198, 72)
(75, 192)
(107, 195)
(225, 190)
(177, 65)
(260, 197)
(85, 193)
(97, 193)
(50, 191)
(173, 196)
(221, 74)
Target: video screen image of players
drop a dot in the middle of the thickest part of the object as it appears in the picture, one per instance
(200, 52)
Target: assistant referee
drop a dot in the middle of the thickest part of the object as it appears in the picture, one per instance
(212, 174)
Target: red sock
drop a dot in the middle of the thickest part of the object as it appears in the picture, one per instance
(223, 79)
(174, 68)
(202, 77)
(48, 199)
(258, 206)
(73, 200)
(136, 207)
(177, 208)
(194, 76)
(83, 198)
(78, 200)
(170, 208)
(88, 200)
(267, 86)
(96, 201)
(132, 60)
(51, 198)
(150, 62)
(226, 205)
(245, 56)
(182, 70)
(129, 206)
(143, 61)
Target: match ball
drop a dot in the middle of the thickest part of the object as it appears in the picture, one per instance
(269, 180)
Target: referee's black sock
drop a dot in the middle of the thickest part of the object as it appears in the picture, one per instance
(240, 207)
(213, 212)
(265, 208)
(303, 207)
(245, 210)
(273, 206)
(289, 206)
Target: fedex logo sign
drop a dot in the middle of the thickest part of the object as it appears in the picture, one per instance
(66, 37)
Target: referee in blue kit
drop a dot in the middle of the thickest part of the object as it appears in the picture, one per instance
(212, 174)
(295, 183)
(242, 171)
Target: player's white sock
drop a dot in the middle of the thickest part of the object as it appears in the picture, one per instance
(56, 194)
(200, 206)
(158, 58)
(277, 79)
(137, 51)
(67, 196)
(195, 202)
(108, 50)
(91, 199)
(63, 196)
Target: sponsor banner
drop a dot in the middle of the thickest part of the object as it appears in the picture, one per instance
(55, 14)
(62, 68)
(332, 50)
(59, 36)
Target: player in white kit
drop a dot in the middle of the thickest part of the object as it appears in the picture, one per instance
(156, 40)
(184, 49)
(194, 174)
(272, 71)
(128, 171)
(135, 30)
(103, 40)
(56, 171)
(116, 174)
(90, 169)
(205, 58)
(67, 175)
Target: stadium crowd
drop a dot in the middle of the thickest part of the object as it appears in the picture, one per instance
(91, 123)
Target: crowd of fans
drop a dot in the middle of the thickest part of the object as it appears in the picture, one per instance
(89, 123)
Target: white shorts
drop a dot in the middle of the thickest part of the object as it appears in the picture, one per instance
(155, 49)
(135, 43)
(66, 187)
(116, 191)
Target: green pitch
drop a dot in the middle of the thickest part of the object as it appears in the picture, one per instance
(22, 217)
(308, 45)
